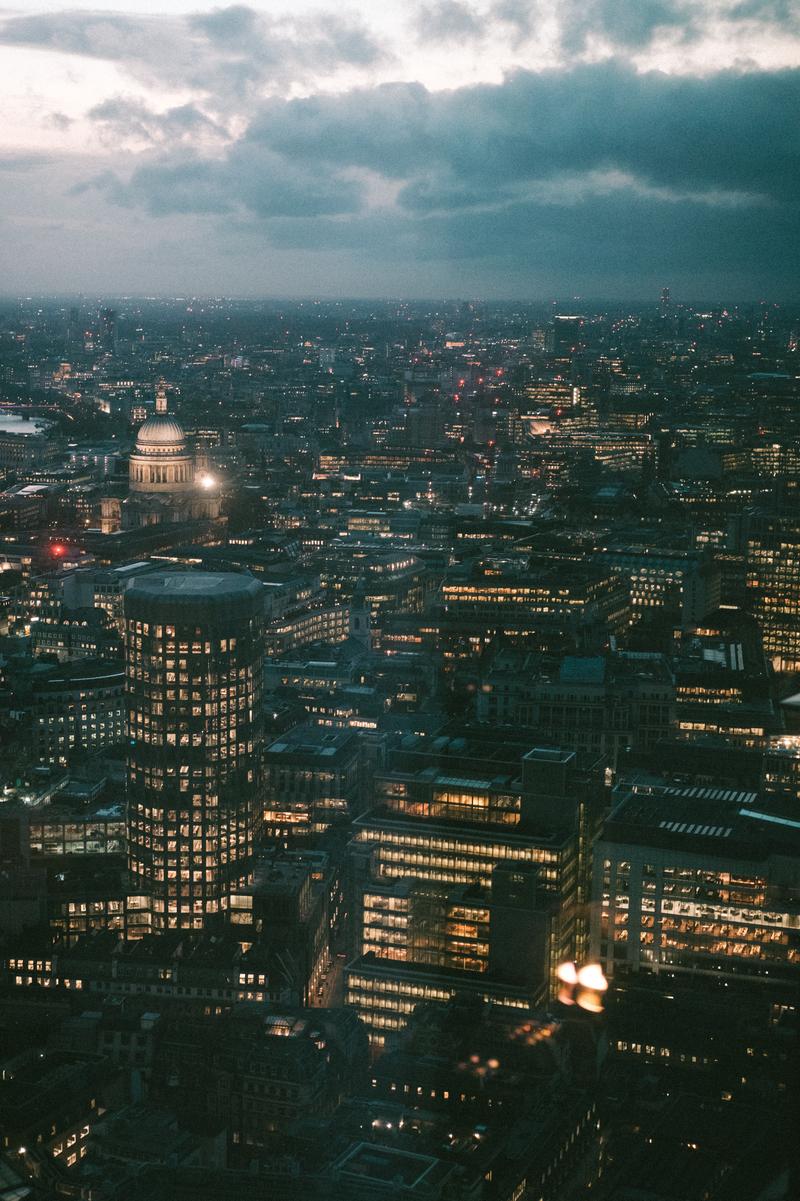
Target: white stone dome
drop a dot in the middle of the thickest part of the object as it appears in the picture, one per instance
(161, 435)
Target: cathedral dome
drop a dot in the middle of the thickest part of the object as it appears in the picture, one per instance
(161, 464)
(160, 435)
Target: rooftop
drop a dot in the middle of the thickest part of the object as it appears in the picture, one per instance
(312, 741)
(224, 593)
(576, 670)
(701, 820)
(196, 583)
(391, 1166)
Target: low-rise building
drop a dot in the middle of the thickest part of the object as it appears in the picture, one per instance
(311, 779)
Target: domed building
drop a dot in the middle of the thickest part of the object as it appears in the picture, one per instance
(164, 484)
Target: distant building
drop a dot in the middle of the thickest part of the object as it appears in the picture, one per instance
(577, 593)
(683, 584)
(50, 1103)
(447, 825)
(164, 485)
(422, 939)
(565, 333)
(109, 330)
(311, 780)
(27, 442)
(255, 1073)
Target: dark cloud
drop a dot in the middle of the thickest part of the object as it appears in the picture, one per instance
(783, 12)
(617, 244)
(629, 24)
(59, 121)
(594, 170)
(344, 41)
(622, 25)
(227, 26)
(124, 120)
(261, 183)
(730, 132)
(522, 15)
(623, 232)
(185, 185)
(593, 174)
(226, 55)
(95, 35)
(268, 185)
(618, 233)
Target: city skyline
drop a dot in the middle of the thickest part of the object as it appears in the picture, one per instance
(399, 600)
(441, 149)
(399, 750)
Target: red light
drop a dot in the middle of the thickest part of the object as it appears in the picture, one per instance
(58, 549)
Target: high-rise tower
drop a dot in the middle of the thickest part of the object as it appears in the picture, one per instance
(194, 674)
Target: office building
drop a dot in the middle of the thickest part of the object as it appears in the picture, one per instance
(772, 557)
(194, 681)
(312, 778)
(582, 595)
(27, 442)
(697, 880)
(593, 703)
(448, 830)
(683, 584)
(422, 939)
(78, 707)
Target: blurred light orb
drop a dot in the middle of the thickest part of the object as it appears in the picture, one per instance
(592, 984)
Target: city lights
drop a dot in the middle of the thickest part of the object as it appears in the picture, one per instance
(400, 743)
(567, 975)
(592, 985)
(585, 986)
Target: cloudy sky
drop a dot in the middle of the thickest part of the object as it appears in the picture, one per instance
(503, 148)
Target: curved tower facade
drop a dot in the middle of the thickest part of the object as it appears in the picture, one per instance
(194, 662)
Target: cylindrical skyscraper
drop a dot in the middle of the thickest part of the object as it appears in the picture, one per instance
(194, 652)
